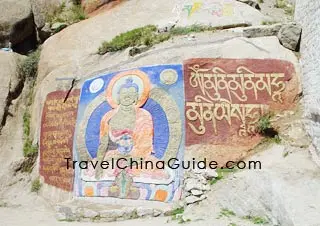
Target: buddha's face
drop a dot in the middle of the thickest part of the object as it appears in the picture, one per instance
(128, 96)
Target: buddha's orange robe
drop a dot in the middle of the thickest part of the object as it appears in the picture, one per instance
(142, 134)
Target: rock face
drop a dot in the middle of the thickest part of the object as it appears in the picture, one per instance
(40, 9)
(289, 36)
(161, 12)
(9, 80)
(218, 13)
(90, 6)
(251, 3)
(176, 51)
(11, 116)
(261, 31)
(308, 13)
(16, 25)
(273, 193)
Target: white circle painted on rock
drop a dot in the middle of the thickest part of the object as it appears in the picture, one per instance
(169, 76)
(96, 85)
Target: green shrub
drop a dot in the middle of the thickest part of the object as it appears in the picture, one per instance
(36, 185)
(26, 124)
(264, 123)
(29, 150)
(260, 1)
(191, 29)
(140, 36)
(62, 14)
(148, 36)
(177, 211)
(28, 68)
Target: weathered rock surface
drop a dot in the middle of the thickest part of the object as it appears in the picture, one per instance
(90, 211)
(278, 191)
(130, 15)
(16, 24)
(289, 36)
(41, 8)
(220, 45)
(308, 14)
(251, 3)
(261, 31)
(90, 6)
(227, 14)
(9, 80)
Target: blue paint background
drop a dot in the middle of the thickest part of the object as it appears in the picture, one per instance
(161, 129)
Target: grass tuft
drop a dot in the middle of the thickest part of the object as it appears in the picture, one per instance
(265, 22)
(67, 15)
(148, 36)
(265, 128)
(191, 29)
(36, 185)
(221, 173)
(28, 68)
(177, 211)
(287, 7)
(226, 213)
(256, 219)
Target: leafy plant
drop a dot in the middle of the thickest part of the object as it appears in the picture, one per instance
(29, 150)
(265, 128)
(148, 36)
(221, 173)
(36, 185)
(28, 68)
(177, 211)
(140, 36)
(256, 219)
(195, 28)
(67, 15)
(226, 213)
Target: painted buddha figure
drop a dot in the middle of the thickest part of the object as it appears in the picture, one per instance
(126, 131)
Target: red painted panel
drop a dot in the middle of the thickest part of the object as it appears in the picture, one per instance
(226, 97)
(56, 139)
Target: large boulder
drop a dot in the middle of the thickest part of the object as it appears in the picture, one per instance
(71, 54)
(90, 6)
(220, 45)
(58, 51)
(11, 116)
(16, 25)
(285, 191)
(41, 8)
(9, 80)
(289, 36)
(221, 13)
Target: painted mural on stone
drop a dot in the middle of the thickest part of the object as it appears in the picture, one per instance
(56, 140)
(212, 8)
(225, 98)
(138, 115)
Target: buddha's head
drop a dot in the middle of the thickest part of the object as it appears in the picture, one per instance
(128, 93)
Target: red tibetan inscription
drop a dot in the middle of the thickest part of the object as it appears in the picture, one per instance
(225, 98)
(56, 139)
